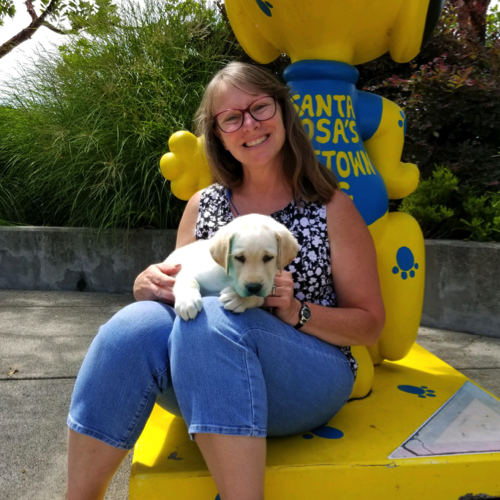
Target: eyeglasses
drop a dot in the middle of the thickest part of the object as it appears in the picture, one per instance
(232, 120)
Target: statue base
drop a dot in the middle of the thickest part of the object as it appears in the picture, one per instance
(425, 431)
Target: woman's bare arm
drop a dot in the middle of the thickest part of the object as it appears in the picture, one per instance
(359, 317)
(157, 281)
(185, 233)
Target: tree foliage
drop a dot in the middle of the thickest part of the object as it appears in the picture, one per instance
(472, 18)
(82, 134)
(57, 15)
(7, 8)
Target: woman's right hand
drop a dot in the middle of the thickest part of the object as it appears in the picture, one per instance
(156, 283)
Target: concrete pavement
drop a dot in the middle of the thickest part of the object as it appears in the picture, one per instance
(44, 337)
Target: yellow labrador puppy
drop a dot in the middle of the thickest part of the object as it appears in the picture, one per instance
(239, 262)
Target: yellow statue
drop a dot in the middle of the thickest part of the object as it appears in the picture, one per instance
(358, 135)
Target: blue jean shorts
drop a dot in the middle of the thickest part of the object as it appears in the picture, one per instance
(245, 374)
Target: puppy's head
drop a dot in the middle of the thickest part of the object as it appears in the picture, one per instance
(251, 248)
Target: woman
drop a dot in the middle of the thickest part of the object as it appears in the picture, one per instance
(237, 378)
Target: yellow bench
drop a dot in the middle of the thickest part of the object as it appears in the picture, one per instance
(367, 451)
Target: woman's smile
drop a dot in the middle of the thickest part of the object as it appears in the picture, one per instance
(256, 142)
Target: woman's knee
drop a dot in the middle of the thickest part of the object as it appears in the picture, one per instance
(138, 324)
(211, 327)
(135, 336)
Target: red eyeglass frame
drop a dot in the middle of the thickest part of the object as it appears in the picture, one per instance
(247, 109)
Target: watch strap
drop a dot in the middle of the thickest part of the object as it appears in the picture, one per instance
(302, 318)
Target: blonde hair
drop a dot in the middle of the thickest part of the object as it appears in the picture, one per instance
(308, 179)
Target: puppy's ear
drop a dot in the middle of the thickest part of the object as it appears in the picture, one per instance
(287, 248)
(220, 248)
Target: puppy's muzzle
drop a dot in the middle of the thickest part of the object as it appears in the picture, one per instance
(253, 288)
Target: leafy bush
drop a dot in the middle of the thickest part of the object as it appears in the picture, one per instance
(446, 209)
(451, 97)
(483, 217)
(430, 203)
(83, 132)
(454, 118)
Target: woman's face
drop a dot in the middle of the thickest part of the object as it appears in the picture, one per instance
(256, 143)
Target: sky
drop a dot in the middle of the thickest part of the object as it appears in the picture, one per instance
(43, 38)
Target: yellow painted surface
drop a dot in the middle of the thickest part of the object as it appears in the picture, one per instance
(185, 166)
(167, 465)
(339, 30)
(403, 297)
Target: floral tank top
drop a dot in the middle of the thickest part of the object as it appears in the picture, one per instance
(311, 269)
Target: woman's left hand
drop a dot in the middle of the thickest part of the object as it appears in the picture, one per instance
(285, 306)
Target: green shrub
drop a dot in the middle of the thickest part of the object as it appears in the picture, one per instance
(431, 203)
(482, 217)
(446, 209)
(83, 131)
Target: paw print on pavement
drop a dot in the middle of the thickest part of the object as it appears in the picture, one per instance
(405, 263)
(185, 166)
(422, 391)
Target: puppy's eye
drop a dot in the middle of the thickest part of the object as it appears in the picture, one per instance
(267, 258)
(240, 258)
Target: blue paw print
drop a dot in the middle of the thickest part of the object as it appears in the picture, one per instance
(402, 122)
(406, 263)
(265, 7)
(421, 392)
(326, 432)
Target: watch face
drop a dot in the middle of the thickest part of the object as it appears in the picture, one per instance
(305, 314)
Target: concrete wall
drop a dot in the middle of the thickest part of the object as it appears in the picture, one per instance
(37, 258)
(462, 291)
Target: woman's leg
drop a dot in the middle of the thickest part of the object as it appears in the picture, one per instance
(237, 464)
(91, 466)
(124, 371)
(250, 375)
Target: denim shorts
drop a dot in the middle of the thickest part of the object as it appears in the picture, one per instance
(245, 374)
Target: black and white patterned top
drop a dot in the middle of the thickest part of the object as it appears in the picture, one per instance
(311, 269)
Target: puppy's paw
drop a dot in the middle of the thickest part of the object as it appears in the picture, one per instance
(236, 303)
(188, 307)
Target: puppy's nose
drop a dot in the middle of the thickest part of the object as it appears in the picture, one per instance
(254, 288)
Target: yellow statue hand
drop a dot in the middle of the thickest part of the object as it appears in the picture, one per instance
(402, 181)
(185, 166)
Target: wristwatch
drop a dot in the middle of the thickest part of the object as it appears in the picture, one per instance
(304, 316)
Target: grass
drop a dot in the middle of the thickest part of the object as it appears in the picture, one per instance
(83, 131)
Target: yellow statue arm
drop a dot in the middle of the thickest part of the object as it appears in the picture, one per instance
(385, 148)
(185, 166)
